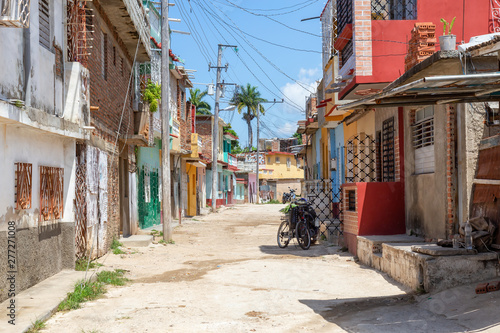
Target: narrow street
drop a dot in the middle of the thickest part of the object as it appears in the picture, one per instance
(225, 273)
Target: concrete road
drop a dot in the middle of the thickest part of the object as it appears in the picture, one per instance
(225, 273)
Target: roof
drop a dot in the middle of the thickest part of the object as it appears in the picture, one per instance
(278, 153)
(471, 88)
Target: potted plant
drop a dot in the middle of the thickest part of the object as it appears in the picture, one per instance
(447, 41)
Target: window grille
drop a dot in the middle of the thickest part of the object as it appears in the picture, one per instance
(15, 14)
(351, 200)
(423, 129)
(346, 53)
(44, 22)
(288, 162)
(423, 141)
(104, 56)
(388, 170)
(394, 9)
(51, 193)
(277, 159)
(23, 185)
(344, 14)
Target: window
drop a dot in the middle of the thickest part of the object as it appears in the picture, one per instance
(394, 9)
(277, 159)
(346, 53)
(44, 23)
(351, 200)
(288, 162)
(183, 104)
(104, 54)
(388, 170)
(114, 56)
(269, 160)
(423, 140)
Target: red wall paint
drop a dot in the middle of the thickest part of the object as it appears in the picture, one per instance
(401, 134)
(381, 209)
(390, 36)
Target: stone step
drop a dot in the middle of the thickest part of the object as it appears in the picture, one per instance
(136, 240)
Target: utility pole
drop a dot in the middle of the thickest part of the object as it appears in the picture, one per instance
(215, 130)
(165, 123)
(258, 150)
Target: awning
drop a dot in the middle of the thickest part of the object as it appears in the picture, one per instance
(197, 164)
(443, 89)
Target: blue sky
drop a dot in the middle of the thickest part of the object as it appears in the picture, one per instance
(278, 72)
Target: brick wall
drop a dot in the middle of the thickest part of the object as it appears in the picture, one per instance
(204, 130)
(109, 93)
(362, 31)
(350, 219)
(184, 117)
(450, 171)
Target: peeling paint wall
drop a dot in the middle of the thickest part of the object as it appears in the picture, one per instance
(42, 249)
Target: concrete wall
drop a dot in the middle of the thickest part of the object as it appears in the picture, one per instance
(283, 184)
(43, 249)
(470, 129)
(425, 194)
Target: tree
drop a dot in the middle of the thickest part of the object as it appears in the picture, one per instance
(298, 136)
(248, 98)
(235, 144)
(196, 99)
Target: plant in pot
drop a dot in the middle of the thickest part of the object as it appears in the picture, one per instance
(447, 41)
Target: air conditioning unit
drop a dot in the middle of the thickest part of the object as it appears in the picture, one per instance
(15, 13)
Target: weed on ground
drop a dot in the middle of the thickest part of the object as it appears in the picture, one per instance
(81, 264)
(115, 278)
(115, 246)
(36, 326)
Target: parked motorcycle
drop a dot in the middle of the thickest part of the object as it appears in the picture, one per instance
(300, 221)
(288, 196)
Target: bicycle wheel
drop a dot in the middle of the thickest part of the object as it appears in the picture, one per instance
(303, 235)
(283, 234)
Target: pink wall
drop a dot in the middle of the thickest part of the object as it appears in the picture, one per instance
(381, 209)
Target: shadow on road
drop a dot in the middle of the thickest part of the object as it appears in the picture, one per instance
(293, 249)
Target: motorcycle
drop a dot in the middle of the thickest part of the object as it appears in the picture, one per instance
(288, 197)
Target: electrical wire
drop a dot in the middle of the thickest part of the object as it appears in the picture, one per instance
(276, 9)
(276, 21)
(218, 20)
(304, 5)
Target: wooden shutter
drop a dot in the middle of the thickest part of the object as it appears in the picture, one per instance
(44, 22)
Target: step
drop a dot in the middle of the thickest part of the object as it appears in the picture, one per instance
(136, 240)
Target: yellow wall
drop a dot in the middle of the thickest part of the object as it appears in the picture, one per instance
(191, 173)
(325, 156)
(280, 170)
(367, 124)
(350, 130)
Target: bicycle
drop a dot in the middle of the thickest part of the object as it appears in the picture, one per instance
(294, 225)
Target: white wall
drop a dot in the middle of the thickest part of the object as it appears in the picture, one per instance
(45, 91)
(22, 144)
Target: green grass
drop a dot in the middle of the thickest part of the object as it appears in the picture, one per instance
(81, 264)
(115, 246)
(115, 278)
(89, 291)
(83, 292)
(273, 201)
(36, 326)
(157, 233)
(162, 241)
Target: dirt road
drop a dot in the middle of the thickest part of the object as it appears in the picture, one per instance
(225, 273)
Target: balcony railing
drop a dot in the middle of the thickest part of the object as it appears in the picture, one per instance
(233, 161)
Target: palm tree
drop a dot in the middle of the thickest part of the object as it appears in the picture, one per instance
(196, 99)
(248, 98)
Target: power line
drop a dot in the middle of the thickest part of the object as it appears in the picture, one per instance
(276, 14)
(219, 20)
(274, 20)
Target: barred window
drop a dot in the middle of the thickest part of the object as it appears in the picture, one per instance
(344, 14)
(423, 140)
(277, 159)
(346, 53)
(288, 162)
(394, 9)
(351, 200)
(44, 23)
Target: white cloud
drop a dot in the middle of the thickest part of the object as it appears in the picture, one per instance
(296, 93)
(287, 129)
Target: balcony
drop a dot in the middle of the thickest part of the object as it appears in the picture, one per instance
(233, 162)
(76, 86)
(175, 142)
(131, 23)
(196, 146)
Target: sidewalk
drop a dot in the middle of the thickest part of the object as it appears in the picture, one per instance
(40, 301)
